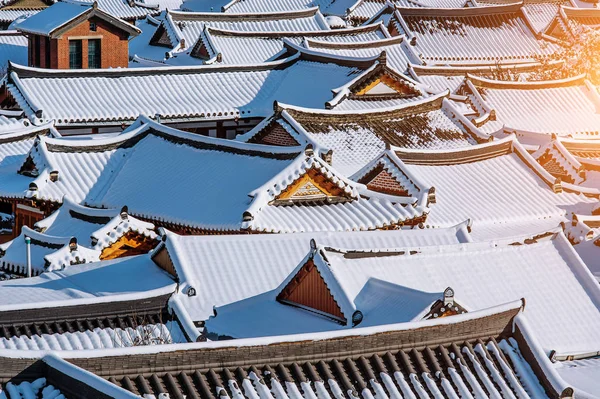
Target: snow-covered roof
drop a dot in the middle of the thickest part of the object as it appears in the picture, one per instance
(356, 138)
(253, 264)
(229, 186)
(120, 95)
(568, 107)
(188, 26)
(469, 182)
(13, 47)
(231, 47)
(582, 373)
(123, 9)
(16, 141)
(9, 16)
(399, 53)
(100, 337)
(482, 275)
(55, 19)
(122, 279)
(465, 35)
(568, 22)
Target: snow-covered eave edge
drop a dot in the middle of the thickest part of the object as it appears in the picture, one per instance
(517, 305)
(168, 289)
(14, 68)
(308, 33)
(86, 377)
(462, 70)
(531, 85)
(542, 360)
(145, 124)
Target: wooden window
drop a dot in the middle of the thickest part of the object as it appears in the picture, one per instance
(75, 54)
(94, 54)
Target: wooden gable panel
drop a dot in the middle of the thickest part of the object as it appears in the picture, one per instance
(311, 186)
(384, 84)
(132, 243)
(308, 289)
(275, 134)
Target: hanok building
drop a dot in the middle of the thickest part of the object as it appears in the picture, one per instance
(16, 141)
(572, 161)
(357, 138)
(487, 353)
(571, 22)
(277, 189)
(462, 36)
(536, 110)
(113, 304)
(75, 235)
(466, 183)
(171, 94)
(192, 258)
(229, 46)
(182, 33)
(539, 13)
(333, 289)
(77, 36)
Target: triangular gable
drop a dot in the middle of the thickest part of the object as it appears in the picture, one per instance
(382, 82)
(384, 176)
(161, 37)
(308, 290)
(274, 134)
(313, 186)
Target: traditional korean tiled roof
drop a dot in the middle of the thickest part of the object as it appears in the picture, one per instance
(274, 196)
(568, 107)
(74, 235)
(570, 22)
(356, 138)
(484, 353)
(254, 264)
(123, 9)
(252, 6)
(53, 20)
(462, 36)
(228, 91)
(401, 284)
(538, 12)
(16, 140)
(399, 53)
(230, 47)
(573, 161)
(469, 181)
(184, 28)
(119, 280)
(92, 333)
(13, 47)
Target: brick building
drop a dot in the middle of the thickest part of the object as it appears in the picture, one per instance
(72, 36)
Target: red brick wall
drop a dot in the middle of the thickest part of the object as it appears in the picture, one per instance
(114, 47)
(385, 183)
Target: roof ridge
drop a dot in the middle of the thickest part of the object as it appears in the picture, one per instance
(388, 41)
(246, 16)
(461, 12)
(528, 85)
(333, 32)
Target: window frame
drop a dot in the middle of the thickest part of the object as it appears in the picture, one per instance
(95, 57)
(75, 62)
